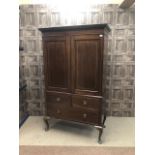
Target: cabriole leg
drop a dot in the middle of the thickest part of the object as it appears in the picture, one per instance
(100, 135)
(46, 123)
(100, 128)
(104, 119)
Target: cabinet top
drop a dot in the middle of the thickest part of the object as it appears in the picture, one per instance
(76, 27)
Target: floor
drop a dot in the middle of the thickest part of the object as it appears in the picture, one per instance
(119, 132)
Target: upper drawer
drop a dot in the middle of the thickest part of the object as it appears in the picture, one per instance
(58, 98)
(89, 103)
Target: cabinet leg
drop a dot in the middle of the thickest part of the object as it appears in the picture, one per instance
(104, 119)
(100, 135)
(100, 128)
(46, 123)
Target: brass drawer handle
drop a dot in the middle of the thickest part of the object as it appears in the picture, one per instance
(84, 115)
(84, 102)
(58, 99)
(58, 111)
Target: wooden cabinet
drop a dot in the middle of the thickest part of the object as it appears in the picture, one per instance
(73, 66)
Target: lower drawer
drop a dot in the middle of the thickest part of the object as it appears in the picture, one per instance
(57, 111)
(74, 114)
(84, 116)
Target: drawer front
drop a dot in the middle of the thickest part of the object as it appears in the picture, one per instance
(56, 111)
(58, 99)
(85, 116)
(73, 114)
(87, 103)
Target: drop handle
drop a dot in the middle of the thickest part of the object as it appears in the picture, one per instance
(84, 115)
(58, 99)
(84, 102)
(58, 111)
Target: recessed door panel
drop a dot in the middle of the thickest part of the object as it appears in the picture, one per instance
(57, 59)
(87, 64)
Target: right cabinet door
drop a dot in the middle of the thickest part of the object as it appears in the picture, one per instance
(87, 57)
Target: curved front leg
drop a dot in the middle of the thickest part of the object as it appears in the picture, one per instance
(46, 123)
(104, 119)
(100, 128)
(100, 135)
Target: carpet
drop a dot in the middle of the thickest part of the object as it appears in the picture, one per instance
(75, 150)
(119, 132)
(67, 138)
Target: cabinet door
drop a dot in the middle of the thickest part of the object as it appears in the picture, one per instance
(87, 59)
(57, 63)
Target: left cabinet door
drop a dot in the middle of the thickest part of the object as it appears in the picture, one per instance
(57, 62)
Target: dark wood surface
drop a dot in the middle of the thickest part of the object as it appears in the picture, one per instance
(57, 63)
(74, 82)
(86, 63)
(76, 27)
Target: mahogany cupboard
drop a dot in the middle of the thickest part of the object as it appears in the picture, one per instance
(74, 79)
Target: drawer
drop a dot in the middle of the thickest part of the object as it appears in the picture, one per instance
(85, 116)
(73, 114)
(89, 103)
(56, 111)
(58, 98)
